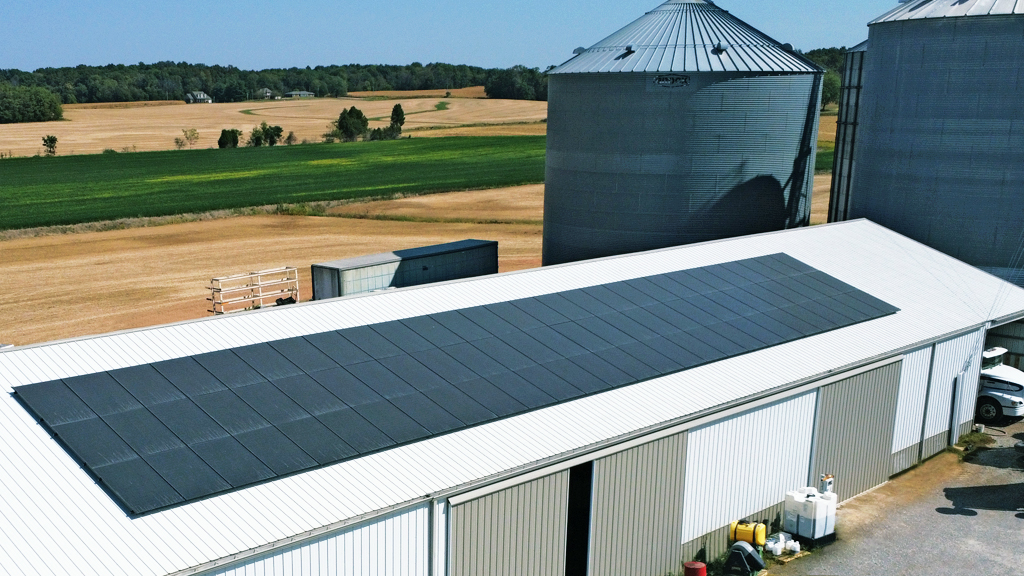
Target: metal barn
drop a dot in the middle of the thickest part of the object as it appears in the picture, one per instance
(939, 147)
(402, 268)
(685, 126)
(600, 416)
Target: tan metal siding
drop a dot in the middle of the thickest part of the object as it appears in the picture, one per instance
(854, 430)
(514, 532)
(637, 508)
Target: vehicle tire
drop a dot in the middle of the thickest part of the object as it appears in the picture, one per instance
(988, 411)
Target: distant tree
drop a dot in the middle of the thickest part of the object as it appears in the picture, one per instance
(517, 83)
(349, 127)
(271, 134)
(264, 135)
(398, 116)
(291, 139)
(191, 136)
(255, 138)
(50, 143)
(229, 138)
(830, 87)
(831, 59)
(180, 143)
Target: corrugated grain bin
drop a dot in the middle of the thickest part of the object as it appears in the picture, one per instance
(939, 155)
(687, 125)
(412, 267)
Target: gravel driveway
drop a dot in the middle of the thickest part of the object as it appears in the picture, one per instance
(942, 517)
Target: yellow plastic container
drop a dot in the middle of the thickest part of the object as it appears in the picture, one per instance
(749, 532)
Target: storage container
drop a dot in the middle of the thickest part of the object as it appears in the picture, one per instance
(749, 532)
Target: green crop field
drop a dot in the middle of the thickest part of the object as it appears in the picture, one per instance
(74, 189)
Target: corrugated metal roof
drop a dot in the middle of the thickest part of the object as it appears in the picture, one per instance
(687, 36)
(862, 47)
(922, 9)
(57, 520)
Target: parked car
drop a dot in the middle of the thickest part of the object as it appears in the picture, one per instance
(1001, 389)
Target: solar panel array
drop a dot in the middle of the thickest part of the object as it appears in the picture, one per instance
(159, 435)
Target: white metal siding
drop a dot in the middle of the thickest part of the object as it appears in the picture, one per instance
(951, 357)
(746, 464)
(636, 505)
(440, 559)
(394, 546)
(912, 396)
(514, 532)
(969, 384)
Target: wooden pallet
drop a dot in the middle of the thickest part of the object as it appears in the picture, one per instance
(253, 290)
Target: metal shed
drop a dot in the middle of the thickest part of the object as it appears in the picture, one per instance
(637, 460)
(939, 150)
(685, 126)
(401, 268)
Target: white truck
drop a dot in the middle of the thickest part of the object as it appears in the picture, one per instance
(1001, 389)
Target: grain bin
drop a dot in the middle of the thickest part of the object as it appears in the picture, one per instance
(939, 155)
(686, 125)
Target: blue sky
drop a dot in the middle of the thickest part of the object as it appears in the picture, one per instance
(257, 34)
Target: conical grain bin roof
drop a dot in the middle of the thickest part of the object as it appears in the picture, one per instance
(687, 36)
(924, 9)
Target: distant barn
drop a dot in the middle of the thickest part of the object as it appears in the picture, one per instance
(264, 93)
(299, 94)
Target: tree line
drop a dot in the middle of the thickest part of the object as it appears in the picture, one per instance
(171, 81)
(28, 104)
(833, 60)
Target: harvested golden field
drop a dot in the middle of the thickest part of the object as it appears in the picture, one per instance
(820, 198)
(827, 128)
(98, 282)
(89, 129)
(469, 92)
(530, 129)
(109, 105)
(520, 204)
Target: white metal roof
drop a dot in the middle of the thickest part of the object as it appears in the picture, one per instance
(55, 519)
(921, 9)
(687, 36)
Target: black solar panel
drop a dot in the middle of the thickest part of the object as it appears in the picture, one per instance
(159, 435)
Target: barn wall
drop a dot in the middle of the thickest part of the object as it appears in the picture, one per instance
(636, 508)
(393, 546)
(745, 464)
(854, 430)
(517, 531)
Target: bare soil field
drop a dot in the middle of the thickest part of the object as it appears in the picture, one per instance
(469, 92)
(89, 129)
(75, 285)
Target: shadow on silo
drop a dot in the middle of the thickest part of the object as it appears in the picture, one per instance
(752, 207)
